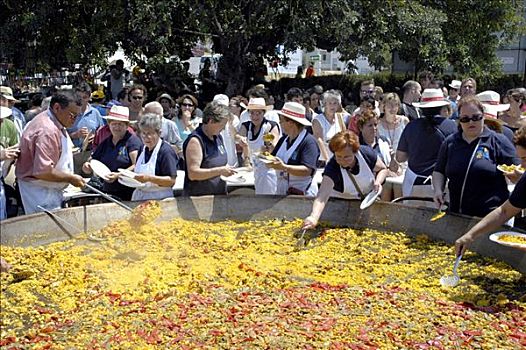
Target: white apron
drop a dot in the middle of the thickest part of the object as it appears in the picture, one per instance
(3, 210)
(285, 180)
(408, 188)
(47, 194)
(265, 179)
(150, 191)
(364, 179)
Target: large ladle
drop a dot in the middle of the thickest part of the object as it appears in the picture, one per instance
(108, 197)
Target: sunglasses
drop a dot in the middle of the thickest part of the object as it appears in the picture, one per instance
(467, 119)
(137, 97)
(515, 98)
(187, 105)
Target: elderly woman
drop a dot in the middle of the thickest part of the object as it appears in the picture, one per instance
(352, 172)
(256, 136)
(157, 162)
(469, 160)
(119, 151)
(187, 120)
(296, 153)
(420, 143)
(327, 124)
(205, 156)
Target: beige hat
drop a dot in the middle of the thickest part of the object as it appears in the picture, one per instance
(492, 98)
(491, 112)
(256, 103)
(7, 93)
(5, 112)
(431, 98)
(119, 113)
(296, 112)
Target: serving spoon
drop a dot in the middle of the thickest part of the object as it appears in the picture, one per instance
(454, 279)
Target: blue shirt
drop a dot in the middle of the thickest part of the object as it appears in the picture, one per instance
(518, 196)
(332, 169)
(117, 157)
(422, 142)
(166, 164)
(306, 154)
(91, 119)
(485, 186)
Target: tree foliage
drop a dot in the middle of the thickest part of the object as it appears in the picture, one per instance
(431, 33)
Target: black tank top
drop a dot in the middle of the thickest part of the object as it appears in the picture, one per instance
(214, 155)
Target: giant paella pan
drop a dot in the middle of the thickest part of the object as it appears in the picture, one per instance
(226, 272)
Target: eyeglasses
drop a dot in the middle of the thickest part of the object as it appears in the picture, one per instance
(187, 105)
(367, 92)
(467, 119)
(137, 97)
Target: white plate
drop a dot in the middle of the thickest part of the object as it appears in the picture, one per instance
(100, 169)
(501, 168)
(234, 179)
(127, 173)
(369, 199)
(495, 238)
(128, 181)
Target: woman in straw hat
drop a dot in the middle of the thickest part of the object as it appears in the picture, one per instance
(296, 154)
(354, 171)
(119, 151)
(420, 143)
(469, 160)
(259, 135)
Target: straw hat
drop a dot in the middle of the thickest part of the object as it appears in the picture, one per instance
(5, 112)
(118, 113)
(492, 98)
(7, 93)
(296, 112)
(431, 98)
(491, 112)
(256, 103)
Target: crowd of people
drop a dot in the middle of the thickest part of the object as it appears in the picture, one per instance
(443, 142)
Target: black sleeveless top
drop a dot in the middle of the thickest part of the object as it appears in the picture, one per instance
(214, 155)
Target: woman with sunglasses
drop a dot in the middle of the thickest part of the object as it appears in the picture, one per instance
(469, 160)
(187, 120)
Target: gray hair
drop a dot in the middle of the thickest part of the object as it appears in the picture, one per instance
(215, 112)
(154, 107)
(150, 121)
(410, 84)
(331, 94)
